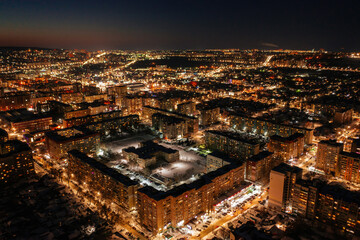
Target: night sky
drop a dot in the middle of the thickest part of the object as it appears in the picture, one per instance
(181, 24)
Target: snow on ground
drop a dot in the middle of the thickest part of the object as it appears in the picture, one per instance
(190, 162)
(133, 141)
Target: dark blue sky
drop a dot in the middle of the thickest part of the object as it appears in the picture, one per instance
(180, 24)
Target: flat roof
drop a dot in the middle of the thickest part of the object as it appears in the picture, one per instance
(21, 115)
(148, 149)
(350, 154)
(331, 142)
(170, 112)
(103, 168)
(284, 168)
(179, 190)
(234, 136)
(260, 156)
(18, 145)
(84, 132)
(267, 120)
(340, 193)
(290, 138)
(167, 118)
(3, 133)
(223, 156)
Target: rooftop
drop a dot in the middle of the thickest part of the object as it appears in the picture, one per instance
(16, 146)
(103, 168)
(350, 154)
(284, 168)
(21, 115)
(290, 138)
(70, 134)
(331, 142)
(260, 156)
(168, 119)
(234, 136)
(223, 156)
(148, 149)
(181, 189)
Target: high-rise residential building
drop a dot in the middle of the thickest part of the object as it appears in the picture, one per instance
(304, 198)
(191, 122)
(339, 207)
(22, 120)
(328, 203)
(10, 101)
(16, 161)
(102, 181)
(287, 147)
(76, 121)
(348, 167)
(187, 108)
(231, 143)
(4, 136)
(327, 155)
(113, 125)
(178, 206)
(258, 167)
(282, 181)
(268, 128)
(59, 142)
(355, 145)
(209, 115)
(171, 127)
(343, 116)
(117, 91)
(216, 160)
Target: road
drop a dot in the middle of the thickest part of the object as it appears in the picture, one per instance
(229, 217)
(69, 184)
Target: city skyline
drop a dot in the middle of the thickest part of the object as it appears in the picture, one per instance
(158, 120)
(95, 25)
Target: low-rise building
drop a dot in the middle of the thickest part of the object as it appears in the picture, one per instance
(148, 153)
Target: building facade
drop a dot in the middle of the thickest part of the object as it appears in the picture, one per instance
(16, 161)
(258, 167)
(268, 128)
(100, 180)
(59, 142)
(181, 204)
(282, 180)
(348, 167)
(287, 147)
(231, 143)
(327, 156)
